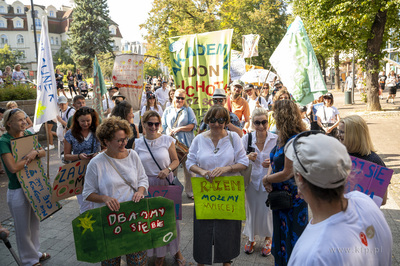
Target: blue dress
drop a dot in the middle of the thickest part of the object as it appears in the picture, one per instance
(290, 223)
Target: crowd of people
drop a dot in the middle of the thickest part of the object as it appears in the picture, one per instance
(245, 126)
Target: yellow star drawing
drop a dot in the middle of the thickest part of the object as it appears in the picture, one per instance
(86, 223)
(40, 110)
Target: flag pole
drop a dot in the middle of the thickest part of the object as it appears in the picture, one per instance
(48, 150)
(266, 78)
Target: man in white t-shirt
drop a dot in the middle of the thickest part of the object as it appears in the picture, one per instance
(162, 94)
(111, 104)
(254, 101)
(345, 229)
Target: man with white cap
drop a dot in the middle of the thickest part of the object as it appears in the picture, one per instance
(237, 105)
(346, 229)
(219, 98)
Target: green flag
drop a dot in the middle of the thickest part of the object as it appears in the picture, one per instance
(295, 62)
(201, 64)
(99, 87)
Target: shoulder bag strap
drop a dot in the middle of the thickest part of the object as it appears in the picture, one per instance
(154, 159)
(115, 168)
(249, 140)
(324, 113)
(177, 117)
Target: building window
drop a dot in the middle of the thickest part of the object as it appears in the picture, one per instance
(51, 40)
(2, 9)
(56, 40)
(3, 39)
(38, 24)
(38, 37)
(2, 24)
(52, 14)
(19, 10)
(112, 30)
(18, 24)
(20, 39)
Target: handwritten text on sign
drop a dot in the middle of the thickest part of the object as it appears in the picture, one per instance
(102, 234)
(224, 198)
(170, 192)
(369, 178)
(33, 179)
(69, 180)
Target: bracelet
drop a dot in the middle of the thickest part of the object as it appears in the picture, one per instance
(37, 155)
(79, 156)
(169, 168)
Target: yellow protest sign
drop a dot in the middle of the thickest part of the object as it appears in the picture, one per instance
(222, 199)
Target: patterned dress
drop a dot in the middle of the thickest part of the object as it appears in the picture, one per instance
(290, 223)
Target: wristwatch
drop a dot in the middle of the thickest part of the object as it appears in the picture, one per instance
(169, 168)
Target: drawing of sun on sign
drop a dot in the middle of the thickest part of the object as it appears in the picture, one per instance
(86, 223)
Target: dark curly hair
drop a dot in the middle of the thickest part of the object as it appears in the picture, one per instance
(76, 129)
(121, 109)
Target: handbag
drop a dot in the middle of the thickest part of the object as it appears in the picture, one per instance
(247, 172)
(279, 200)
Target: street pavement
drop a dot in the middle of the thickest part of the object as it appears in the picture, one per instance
(56, 235)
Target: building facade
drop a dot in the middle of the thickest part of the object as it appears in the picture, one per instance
(16, 29)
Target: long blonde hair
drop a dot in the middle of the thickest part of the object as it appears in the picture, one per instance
(356, 135)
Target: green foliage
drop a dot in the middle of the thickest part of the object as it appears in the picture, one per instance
(89, 33)
(18, 92)
(65, 68)
(151, 68)
(63, 56)
(9, 57)
(106, 62)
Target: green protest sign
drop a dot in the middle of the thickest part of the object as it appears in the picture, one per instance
(102, 234)
(222, 199)
(201, 64)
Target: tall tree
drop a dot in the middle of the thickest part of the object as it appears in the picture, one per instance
(9, 57)
(89, 34)
(63, 55)
(363, 26)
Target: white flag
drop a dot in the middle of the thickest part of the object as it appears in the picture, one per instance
(250, 45)
(46, 101)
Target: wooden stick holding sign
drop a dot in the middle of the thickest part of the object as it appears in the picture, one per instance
(224, 198)
(33, 178)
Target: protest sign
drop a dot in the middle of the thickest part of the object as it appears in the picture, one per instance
(238, 65)
(128, 77)
(369, 178)
(250, 45)
(173, 193)
(102, 234)
(222, 199)
(33, 179)
(200, 64)
(296, 64)
(69, 180)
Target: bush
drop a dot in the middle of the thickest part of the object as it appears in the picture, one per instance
(18, 92)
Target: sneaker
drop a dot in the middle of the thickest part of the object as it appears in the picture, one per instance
(51, 147)
(266, 251)
(249, 247)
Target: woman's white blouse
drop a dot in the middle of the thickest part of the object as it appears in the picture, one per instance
(203, 153)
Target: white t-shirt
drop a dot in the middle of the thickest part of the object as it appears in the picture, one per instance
(162, 95)
(358, 236)
(159, 147)
(101, 178)
(159, 110)
(70, 113)
(111, 104)
(330, 114)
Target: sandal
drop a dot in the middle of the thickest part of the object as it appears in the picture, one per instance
(181, 262)
(249, 247)
(45, 256)
(159, 261)
(266, 251)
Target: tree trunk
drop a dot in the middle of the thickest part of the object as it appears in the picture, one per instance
(372, 61)
(337, 71)
(321, 62)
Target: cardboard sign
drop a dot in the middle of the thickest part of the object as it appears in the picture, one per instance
(200, 64)
(33, 178)
(173, 193)
(102, 234)
(69, 180)
(128, 77)
(369, 178)
(222, 199)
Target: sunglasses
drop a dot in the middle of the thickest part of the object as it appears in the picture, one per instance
(303, 134)
(280, 87)
(151, 124)
(218, 101)
(120, 141)
(220, 120)
(180, 98)
(257, 123)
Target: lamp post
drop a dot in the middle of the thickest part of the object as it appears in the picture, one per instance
(34, 28)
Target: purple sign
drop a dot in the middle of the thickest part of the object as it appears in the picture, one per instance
(170, 192)
(368, 178)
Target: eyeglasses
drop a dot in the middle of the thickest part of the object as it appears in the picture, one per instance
(151, 124)
(303, 134)
(279, 87)
(120, 141)
(220, 120)
(216, 101)
(180, 98)
(257, 123)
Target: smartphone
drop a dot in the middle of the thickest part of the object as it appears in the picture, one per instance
(250, 150)
(90, 155)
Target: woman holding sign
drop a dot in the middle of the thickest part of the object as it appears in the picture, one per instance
(158, 155)
(116, 176)
(354, 134)
(216, 153)
(26, 223)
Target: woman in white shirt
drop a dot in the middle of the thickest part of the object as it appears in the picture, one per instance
(105, 186)
(216, 153)
(151, 104)
(328, 116)
(159, 169)
(391, 84)
(258, 215)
